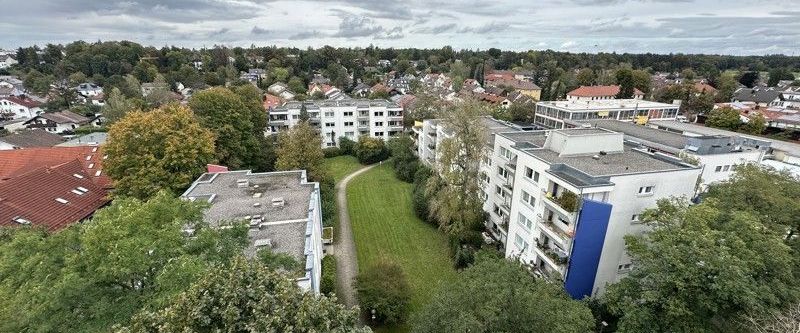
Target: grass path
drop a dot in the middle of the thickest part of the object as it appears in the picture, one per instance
(340, 166)
(384, 224)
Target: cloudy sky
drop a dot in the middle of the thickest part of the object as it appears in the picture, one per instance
(659, 26)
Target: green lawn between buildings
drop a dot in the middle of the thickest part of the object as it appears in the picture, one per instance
(341, 166)
(384, 224)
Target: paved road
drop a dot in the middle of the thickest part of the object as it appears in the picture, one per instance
(345, 248)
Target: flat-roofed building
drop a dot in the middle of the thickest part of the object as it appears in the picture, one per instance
(566, 114)
(344, 118)
(282, 208)
(566, 198)
(718, 155)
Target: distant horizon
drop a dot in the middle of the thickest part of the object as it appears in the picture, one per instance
(711, 27)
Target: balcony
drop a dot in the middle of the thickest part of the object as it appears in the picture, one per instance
(556, 257)
(431, 146)
(363, 126)
(557, 233)
(566, 205)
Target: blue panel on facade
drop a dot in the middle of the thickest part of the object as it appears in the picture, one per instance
(586, 248)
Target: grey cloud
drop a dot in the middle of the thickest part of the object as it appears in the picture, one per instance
(435, 30)
(357, 26)
(492, 27)
(615, 2)
(306, 35)
(260, 31)
(394, 33)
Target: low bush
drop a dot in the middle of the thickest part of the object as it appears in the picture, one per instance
(370, 150)
(332, 152)
(383, 288)
(327, 285)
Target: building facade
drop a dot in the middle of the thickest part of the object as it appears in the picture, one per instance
(566, 198)
(566, 114)
(346, 118)
(282, 209)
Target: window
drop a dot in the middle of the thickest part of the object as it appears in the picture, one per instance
(536, 176)
(520, 242)
(348, 113)
(330, 144)
(329, 114)
(330, 124)
(378, 133)
(295, 116)
(646, 190)
(624, 267)
(528, 199)
(524, 221)
(498, 190)
(378, 123)
(348, 123)
(349, 134)
(378, 114)
(530, 174)
(718, 168)
(635, 218)
(726, 168)
(506, 153)
(502, 172)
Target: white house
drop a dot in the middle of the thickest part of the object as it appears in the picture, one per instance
(13, 107)
(281, 90)
(578, 241)
(58, 122)
(345, 118)
(565, 114)
(283, 210)
(6, 61)
(89, 89)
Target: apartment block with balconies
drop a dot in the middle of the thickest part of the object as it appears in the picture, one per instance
(566, 198)
(345, 118)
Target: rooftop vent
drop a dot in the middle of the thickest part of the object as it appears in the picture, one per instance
(257, 204)
(596, 157)
(62, 200)
(257, 194)
(77, 176)
(242, 183)
(255, 221)
(97, 174)
(278, 202)
(20, 220)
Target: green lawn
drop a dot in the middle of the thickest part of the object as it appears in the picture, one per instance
(384, 224)
(341, 166)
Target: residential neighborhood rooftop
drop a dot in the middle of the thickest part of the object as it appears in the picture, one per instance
(606, 104)
(32, 138)
(276, 203)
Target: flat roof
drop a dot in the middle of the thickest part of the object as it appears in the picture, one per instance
(788, 147)
(667, 138)
(314, 104)
(242, 195)
(605, 105)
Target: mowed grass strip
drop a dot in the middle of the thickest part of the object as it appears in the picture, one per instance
(384, 225)
(341, 166)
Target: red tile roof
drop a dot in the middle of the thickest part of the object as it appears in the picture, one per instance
(271, 101)
(599, 91)
(704, 87)
(26, 102)
(20, 161)
(50, 197)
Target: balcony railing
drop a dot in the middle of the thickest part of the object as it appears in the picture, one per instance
(564, 236)
(553, 255)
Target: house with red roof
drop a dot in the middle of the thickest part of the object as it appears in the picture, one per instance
(593, 93)
(51, 188)
(271, 101)
(19, 107)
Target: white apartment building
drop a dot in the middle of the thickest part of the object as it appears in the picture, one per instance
(344, 118)
(283, 210)
(533, 173)
(566, 114)
(717, 155)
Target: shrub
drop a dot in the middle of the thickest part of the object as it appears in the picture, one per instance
(370, 150)
(327, 285)
(568, 201)
(347, 146)
(279, 261)
(384, 289)
(331, 152)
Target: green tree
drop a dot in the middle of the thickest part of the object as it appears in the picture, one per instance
(370, 150)
(725, 118)
(246, 297)
(755, 125)
(297, 85)
(688, 74)
(522, 111)
(586, 77)
(625, 81)
(404, 160)
(726, 85)
(162, 149)
(497, 295)
(224, 113)
(456, 204)
(117, 106)
(749, 79)
(347, 146)
(778, 74)
(300, 148)
(92, 276)
(383, 288)
(641, 80)
(700, 268)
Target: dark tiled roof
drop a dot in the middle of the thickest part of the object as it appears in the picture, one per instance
(64, 117)
(50, 197)
(32, 138)
(756, 95)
